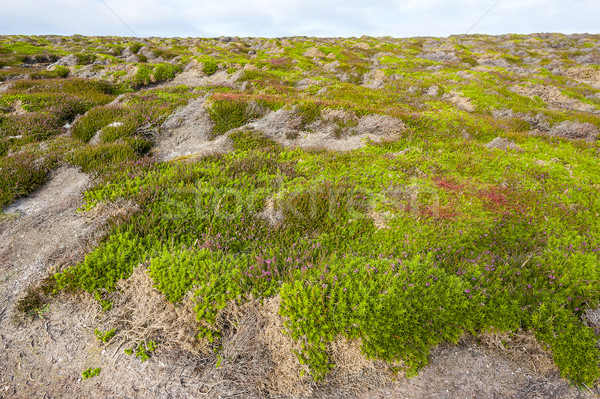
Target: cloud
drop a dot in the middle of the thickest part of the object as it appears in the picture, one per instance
(201, 18)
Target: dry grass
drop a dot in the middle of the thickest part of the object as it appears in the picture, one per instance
(522, 348)
(140, 312)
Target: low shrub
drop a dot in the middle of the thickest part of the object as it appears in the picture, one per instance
(21, 174)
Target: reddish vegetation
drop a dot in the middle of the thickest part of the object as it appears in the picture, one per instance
(449, 184)
(495, 196)
(503, 200)
(440, 213)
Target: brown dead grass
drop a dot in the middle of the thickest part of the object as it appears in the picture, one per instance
(522, 348)
(140, 312)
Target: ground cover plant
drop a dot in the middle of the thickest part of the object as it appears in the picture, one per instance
(470, 204)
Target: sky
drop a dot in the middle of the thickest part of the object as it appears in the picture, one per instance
(278, 18)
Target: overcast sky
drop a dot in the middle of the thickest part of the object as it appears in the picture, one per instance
(274, 18)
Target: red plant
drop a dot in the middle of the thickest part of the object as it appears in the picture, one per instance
(449, 184)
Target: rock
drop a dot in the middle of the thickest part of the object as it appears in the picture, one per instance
(503, 144)
(101, 61)
(148, 53)
(68, 61)
(330, 66)
(286, 43)
(193, 65)
(132, 59)
(126, 53)
(313, 52)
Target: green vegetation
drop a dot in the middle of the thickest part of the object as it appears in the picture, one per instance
(91, 372)
(105, 336)
(209, 66)
(230, 113)
(142, 351)
(404, 244)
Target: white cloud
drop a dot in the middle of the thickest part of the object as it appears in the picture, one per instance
(311, 17)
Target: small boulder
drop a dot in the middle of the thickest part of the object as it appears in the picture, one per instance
(68, 61)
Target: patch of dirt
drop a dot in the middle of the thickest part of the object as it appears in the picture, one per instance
(467, 370)
(279, 125)
(43, 232)
(140, 312)
(585, 74)
(4, 86)
(575, 131)
(193, 76)
(553, 97)
(503, 144)
(337, 129)
(188, 131)
(113, 73)
(374, 79)
(459, 101)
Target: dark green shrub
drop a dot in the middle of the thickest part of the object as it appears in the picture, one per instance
(86, 127)
(309, 112)
(101, 156)
(209, 66)
(21, 174)
(229, 114)
(85, 59)
(147, 74)
(135, 47)
(164, 72)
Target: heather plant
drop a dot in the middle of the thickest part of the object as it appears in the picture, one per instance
(147, 74)
(21, 174)
(229, 114)
(209, 66)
